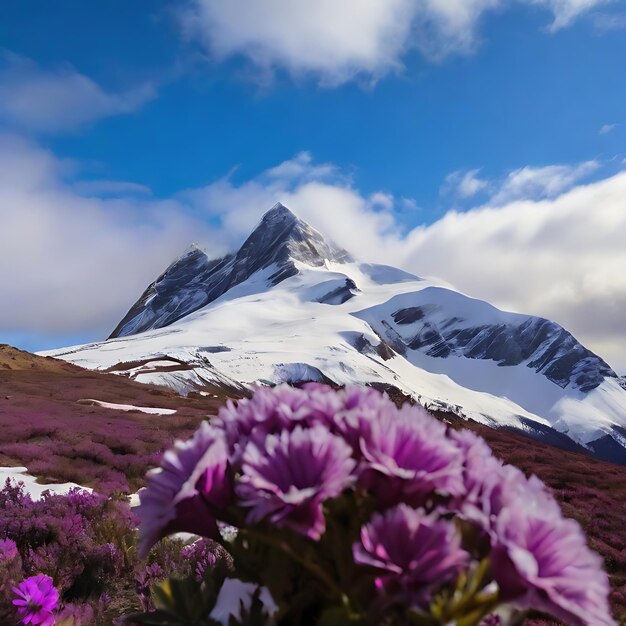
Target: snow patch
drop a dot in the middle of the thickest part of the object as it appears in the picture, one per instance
(31, 486)
(127, 407)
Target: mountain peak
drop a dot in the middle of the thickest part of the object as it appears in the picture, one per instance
(280, 241)
(281, 236)
(193, 251)
(279, 212)
(275, 226)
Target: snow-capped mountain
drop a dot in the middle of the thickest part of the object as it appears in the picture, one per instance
(193, 280)
(290, 306)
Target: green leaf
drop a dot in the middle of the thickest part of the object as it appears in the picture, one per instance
(186, 600)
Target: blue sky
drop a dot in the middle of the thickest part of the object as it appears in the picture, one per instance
(521, 97)
(165, 121)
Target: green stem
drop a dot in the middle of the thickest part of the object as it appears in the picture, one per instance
(314, 569)
(468, 606)
(485, 606)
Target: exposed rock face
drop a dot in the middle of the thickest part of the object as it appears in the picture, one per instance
(441, 324)
(188, 284)
(193, 280)
(543, 345)
(341, 294)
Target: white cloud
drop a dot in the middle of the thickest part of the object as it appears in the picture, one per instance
(335, 39)
(566, 11)
(561, 258)
(59, 99)
(464, 184)
(320, 193)
(607, 128)
(75, 264)
(523, 183)
(559, 255)
(339, 41)
(301, 168)
(542, 182)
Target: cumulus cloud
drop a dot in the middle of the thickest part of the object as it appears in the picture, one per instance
(338, 41)
(320, 194)
(542, 182)
(464, 184)
(523, 183)
(77, 253)
(75, 262)
(335, 39)
(60, 98)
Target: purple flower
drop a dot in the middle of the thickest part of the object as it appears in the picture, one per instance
(272, 410)
(490, 486)
(187, 490)
(8, 550)
(414, 551)
(36, 600)
(286, 477)
(203, 556)
(541, 561)
(361, 408)
(407, 457)
(346, 412)
(144, 581)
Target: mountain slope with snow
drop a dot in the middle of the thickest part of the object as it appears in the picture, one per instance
(289, 306)
(193, 280)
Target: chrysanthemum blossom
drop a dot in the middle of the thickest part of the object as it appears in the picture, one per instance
(415, 552)
(491, 486)
(272, 410)
(407, 457)
(286, 477)
(361, 408)
(36, 601)
(184, 493)
(542, 562)
(346, 412)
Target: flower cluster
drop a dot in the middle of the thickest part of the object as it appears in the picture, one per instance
(83, 544)
(345, 503)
